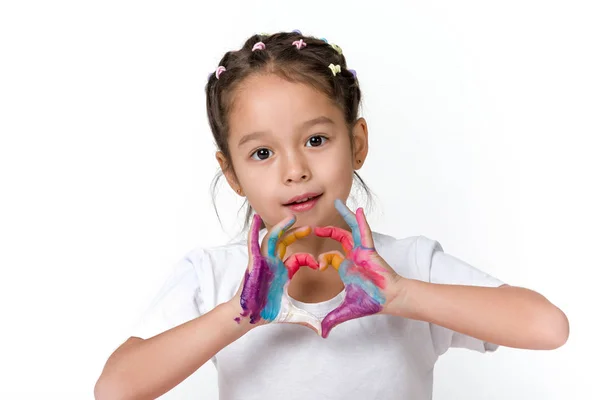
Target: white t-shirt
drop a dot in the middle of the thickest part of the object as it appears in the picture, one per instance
(374, 357)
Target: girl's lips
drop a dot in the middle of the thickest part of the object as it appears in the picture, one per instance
(301, 197)
(305, 206)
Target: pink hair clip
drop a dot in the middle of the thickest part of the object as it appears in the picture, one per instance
(299, 44)
(258, 46)
(219, 71)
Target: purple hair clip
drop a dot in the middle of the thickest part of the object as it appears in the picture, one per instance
(353, 72)
(258, 46)
(299, 44)
(219, 71)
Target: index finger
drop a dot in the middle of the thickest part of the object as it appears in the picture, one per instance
(276, 233)
(290, 238)
(350, 219)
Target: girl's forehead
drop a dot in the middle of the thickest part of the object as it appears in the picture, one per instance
(272, 91)
(264, 101)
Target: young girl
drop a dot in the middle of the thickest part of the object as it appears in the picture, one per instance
(380, 311)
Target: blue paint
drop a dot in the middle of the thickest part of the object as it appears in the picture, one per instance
(350, 219)
(280, 273)
(275, 292)
(369, 287)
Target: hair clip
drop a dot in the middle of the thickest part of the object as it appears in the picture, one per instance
(353, 72)
(335, 69)
(219, 71)
(325, 40)
(336, 48)
(297, 31)
(299, 44)
(258, 46)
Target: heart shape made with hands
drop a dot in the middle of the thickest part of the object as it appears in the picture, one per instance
(366, 276)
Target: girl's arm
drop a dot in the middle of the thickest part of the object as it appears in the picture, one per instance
(146, 369)
(506, 315)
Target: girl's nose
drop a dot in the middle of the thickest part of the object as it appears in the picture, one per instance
(297, 170)
(300, 179)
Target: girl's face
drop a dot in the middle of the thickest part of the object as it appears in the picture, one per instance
(289, 142)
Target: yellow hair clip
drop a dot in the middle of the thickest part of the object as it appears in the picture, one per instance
(336, 48)
(335, 69)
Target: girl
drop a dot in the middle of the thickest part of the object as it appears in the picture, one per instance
(380, 311)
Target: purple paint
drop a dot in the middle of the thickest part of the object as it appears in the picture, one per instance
(357, 303)
(256, 288)
(256, 282)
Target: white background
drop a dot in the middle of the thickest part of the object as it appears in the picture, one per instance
(483, 115)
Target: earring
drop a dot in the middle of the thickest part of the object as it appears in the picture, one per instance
(358, 161)
(239, 191)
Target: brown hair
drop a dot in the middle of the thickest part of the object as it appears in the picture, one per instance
(308, 64)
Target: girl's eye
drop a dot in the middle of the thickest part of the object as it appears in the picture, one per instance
(316, 141)
(261, 154)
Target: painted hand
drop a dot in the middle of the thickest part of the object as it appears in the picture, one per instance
(261, 295)
(369, 280)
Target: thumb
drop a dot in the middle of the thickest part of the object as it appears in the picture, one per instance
(356, 304)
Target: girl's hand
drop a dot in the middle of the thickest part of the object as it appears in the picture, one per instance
(261, 295)
(370, 282)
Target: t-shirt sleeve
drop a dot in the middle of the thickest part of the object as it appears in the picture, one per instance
(442, 268)
(176, 302)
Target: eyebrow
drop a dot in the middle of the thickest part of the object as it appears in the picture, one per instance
(316, 121)
(305, 125)
(251, 136)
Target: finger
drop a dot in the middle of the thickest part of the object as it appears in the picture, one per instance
(276, 233)
(356, 304)
(339, 234)
(295, 261)
(350, 219)
(333, 258)
(366, 236)
(253, 234)
(290, 238)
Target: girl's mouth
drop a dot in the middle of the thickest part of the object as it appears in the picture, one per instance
(304, 203)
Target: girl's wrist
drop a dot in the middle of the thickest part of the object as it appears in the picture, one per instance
(402, 302)
(234, 310)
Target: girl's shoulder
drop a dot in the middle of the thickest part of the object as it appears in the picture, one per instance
(208, 256)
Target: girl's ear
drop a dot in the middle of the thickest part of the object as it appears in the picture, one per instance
(229, 173)
(360, 137)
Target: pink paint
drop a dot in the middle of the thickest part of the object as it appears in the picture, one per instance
(295, 261)
(339, 234)
(364, 264)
